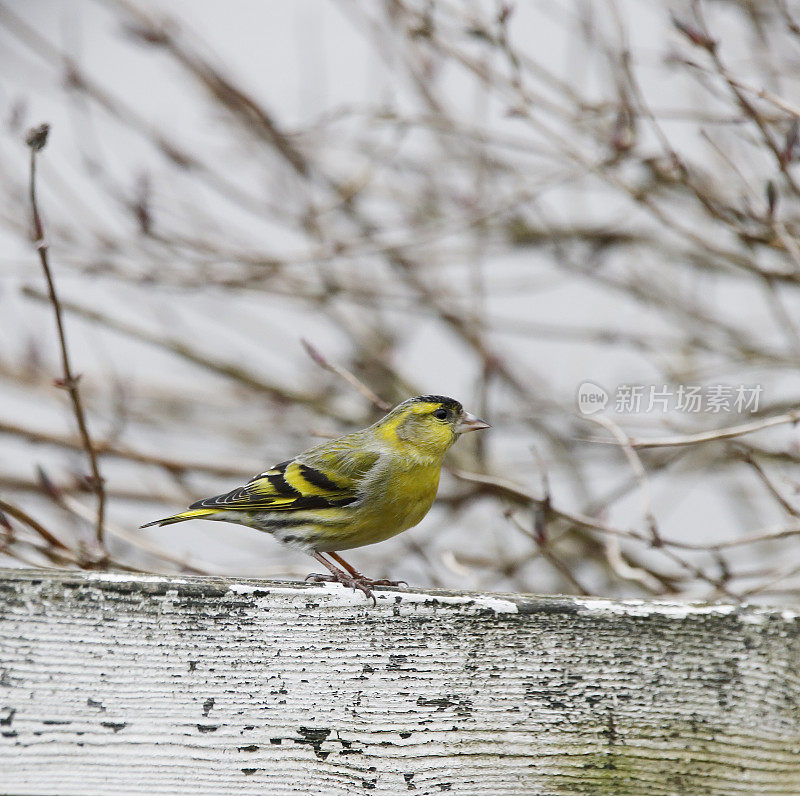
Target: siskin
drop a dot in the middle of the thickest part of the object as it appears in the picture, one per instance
(353, 491)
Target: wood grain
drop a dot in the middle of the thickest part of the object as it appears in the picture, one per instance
(114, 684)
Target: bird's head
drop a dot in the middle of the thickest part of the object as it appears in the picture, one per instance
(429, 423)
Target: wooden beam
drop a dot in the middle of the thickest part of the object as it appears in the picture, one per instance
(112, 683)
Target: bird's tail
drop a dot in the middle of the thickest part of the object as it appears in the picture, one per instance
(192, 514)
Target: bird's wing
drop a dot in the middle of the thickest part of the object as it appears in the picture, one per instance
(322, 479)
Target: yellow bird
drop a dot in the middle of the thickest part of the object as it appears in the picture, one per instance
(353, 491)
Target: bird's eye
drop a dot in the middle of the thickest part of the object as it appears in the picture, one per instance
(440, 414)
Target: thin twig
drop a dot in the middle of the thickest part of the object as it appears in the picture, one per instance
(198, 567)
(542, 514)
(638, 470)
(545, 550)
(191, 353)
(36, 140)
(771, 487)
(345, 374)
(706, 436)
(33, 524)
(122, 452)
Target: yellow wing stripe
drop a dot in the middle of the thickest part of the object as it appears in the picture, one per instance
(307, 480)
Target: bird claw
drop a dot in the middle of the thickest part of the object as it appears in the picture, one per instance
(356, 584)
(370, 582)
(385, 582)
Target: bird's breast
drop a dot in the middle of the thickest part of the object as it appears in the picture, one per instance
(393, 502)
(408, 495)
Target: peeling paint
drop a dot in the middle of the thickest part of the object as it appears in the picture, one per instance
(125, 577)
(315, 690)
(672, 609)
(347, 596)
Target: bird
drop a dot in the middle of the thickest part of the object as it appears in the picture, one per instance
(356, 490)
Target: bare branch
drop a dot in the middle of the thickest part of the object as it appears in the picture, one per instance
(345, 374)
(708, 436)
(22, 516)
(36, 140)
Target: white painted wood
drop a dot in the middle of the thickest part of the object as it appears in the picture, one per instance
(113, 684)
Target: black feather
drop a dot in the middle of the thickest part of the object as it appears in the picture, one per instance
(448, 403)
(280, 485)
(319, 479)
(320, 502)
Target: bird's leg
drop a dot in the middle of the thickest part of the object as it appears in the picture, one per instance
(349, 567)
(363, 578)
(354, 581)
(334, 577)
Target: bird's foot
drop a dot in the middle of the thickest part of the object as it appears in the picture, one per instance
(384, 582)
(355, 583)
(357, 576)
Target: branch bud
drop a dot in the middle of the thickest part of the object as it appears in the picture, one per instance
(37, 137)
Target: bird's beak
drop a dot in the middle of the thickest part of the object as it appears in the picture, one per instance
(469, 422)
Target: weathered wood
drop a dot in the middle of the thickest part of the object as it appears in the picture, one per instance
(118, 684)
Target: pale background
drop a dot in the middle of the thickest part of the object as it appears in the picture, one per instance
(525, 170)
